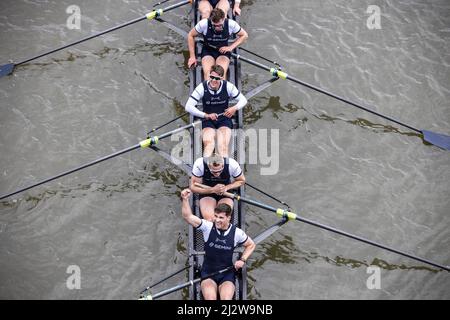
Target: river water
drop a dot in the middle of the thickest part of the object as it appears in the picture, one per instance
(120, 221)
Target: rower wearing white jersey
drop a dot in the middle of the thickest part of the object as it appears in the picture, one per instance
(221, 238)
(216, 31)
(219, 173)
(206, 6)
(215, 95)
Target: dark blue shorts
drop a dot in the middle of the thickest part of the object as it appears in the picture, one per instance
(222, 121)
(212, 195)
(213, 3)
(221, 278)
(206, 51)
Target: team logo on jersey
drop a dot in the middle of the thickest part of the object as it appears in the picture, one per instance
(221, 241)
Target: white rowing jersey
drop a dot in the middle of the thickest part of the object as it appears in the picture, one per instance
(240, 237)
(202, 27)
(234, 168)
(199, 92)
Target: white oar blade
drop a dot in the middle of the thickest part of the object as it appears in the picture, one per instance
(438, 139)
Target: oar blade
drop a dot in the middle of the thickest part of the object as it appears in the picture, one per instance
(438, 139)
(6, 69)
(269, 231)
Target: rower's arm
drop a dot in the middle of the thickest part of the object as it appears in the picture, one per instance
(234, 93)
(186, 211)
(242, 36)
(192, 109)
(241, 101)
(249, 246)
(191, 42)
(196, 189)
(238, 182)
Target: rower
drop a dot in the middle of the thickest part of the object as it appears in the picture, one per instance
(216, 172)
(216, 31)
(221, 237)
(206, 6)
(215, 95)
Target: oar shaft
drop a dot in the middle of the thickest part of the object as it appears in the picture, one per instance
(73, 170)
(288, 77)
(190, 125)
(237, 197)
(82, 40)
(176, 288)
(164, 279)
(267, 195)
(168, 134)
(259, 56)
(177, 5)
(143, 144)
(189, 283)
(373, 243)
(147, 16)
(350, 102)
(167, 123)
(322, 226)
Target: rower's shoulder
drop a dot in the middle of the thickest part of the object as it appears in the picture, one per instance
(201, 25)
(233, 162)
(200, 87)
(230, 86)
(233, 22)
(233, 25)
(205, 225)
(198, 168)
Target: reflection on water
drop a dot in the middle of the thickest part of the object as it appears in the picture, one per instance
(366, 124)
(155, 48)
(285, 251)
(135, 182)
(252, 115)
(273, 106)
(395, 68)
(282, 251)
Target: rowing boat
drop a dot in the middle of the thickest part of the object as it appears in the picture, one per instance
(196, 242)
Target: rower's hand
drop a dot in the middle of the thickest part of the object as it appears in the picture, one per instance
(219, 189)
(225, 49)
(211, 116)
(185, 194)
(222, 189)
(239, 264)
(192, 62)
(236, 10)
(229, 112)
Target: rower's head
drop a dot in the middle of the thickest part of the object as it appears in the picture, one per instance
(215, 76)
(222, 216)
(215, 164)
(217, 18)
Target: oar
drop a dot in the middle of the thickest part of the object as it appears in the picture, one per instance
(268, 195)
(162, 280)
(184, 285)
(7, 69)
(248, 95)
(269, 231)
(261, 57)
(437, 139)
(258, 239)
(151, 141)
(167, 123)
(292, 216)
